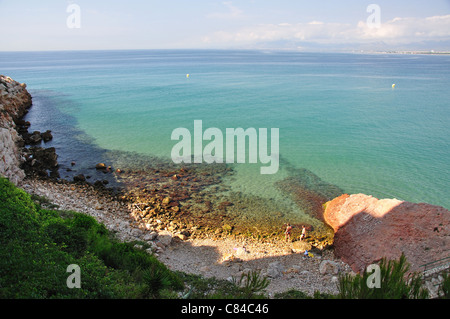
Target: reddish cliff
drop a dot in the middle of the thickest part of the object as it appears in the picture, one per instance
(368, 229)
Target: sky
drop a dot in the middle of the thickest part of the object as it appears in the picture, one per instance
(30, 25)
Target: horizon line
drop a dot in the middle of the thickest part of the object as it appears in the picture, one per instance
(361, 51)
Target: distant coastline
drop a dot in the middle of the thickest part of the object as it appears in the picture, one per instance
(410, 52)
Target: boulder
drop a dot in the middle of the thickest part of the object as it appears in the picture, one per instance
(368, 229)
(35, 138)
(47, 136)
(100, 166)
(275, 270)
(165, 238)
(300, 246)
(328, 267)
(41, 160)
(79, 178)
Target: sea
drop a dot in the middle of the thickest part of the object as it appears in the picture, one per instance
(377, 124)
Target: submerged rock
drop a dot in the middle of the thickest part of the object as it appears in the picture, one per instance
(79, 178)
(300, 246)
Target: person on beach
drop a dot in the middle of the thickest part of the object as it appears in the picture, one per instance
(303, 235)
(288, 232)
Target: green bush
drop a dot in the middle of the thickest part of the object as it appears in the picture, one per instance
(154, 279)
(251, 285)
(18, 218)
(37, 246)
(445, 287)
(396, 283)
(292, 294)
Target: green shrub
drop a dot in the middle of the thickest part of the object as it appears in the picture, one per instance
(18, 218)
(38, 245)
(154, 279)
(445, 287)
(396, 283)
(251, 285)
(292, 294)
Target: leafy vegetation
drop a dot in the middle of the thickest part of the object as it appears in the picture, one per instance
(445, 287)
(395, 283)
(37, 246)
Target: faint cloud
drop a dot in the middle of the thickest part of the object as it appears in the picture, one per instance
(408, 30)
(232, 12)
(397, 30)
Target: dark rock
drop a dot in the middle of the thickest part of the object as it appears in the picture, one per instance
(47, 136)
(79, 178)
(100, 166)
(40, 160)
(98, 184)
(35, 138)
(50, 157)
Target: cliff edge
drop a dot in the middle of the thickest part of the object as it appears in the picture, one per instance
(14, 104)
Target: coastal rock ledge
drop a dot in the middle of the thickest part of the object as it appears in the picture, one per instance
(368, 229)
(14, 104)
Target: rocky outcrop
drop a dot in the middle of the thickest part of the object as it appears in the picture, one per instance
(16, 160)
(14, 104)
(41, 162)
(368, 229)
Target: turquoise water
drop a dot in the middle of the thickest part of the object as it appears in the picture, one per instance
(338, 115)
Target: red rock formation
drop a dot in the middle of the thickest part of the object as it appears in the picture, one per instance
(368, 229)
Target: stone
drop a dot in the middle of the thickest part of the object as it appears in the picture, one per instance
(151, 236)
(275, 270)
(227, 228)
(176, 209)
(47, 136)
(100, 166)
(182, 236)
(35, 138)
(328, 267)
(368, 229)
(166, 201)
(165, 238)
(79, 178)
